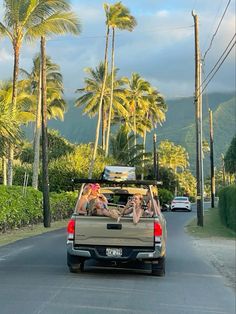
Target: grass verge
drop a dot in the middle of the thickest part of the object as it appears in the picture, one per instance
(212, 226)
(29, 231)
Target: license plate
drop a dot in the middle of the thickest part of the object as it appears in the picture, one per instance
(113, 252)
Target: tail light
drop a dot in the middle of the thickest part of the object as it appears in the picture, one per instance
(71, 229)
(157, 229)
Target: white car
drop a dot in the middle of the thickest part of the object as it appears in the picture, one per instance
(181, 202)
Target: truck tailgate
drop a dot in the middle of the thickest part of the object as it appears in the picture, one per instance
(91, 230)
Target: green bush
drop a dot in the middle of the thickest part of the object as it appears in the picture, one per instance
(18, 209)
(19, 172)
(62, 205)
(227, 206)
(75, 165)
(165, 196)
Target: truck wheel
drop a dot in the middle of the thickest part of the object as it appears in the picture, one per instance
(75, 264)
(79, 268)
(159, 269)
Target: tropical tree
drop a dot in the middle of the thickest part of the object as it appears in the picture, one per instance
(137, 101)
(123, 149)
(91, 94)
(117, 17)
(9, 123)
(31, 19)
(154, 115)
(172, 156)
(56, 105)
(187, 183)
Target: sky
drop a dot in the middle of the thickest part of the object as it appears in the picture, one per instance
(160, 49)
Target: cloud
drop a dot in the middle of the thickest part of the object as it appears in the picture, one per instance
(161, 48)
(5, 55)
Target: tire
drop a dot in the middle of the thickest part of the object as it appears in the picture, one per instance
(159, 269)
(79, 268)
(75, 264)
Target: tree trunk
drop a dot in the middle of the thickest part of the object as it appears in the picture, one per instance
(16, 48)
(111, 100)
(10, 164)
(135, 131)
(46, 203)
(99, 109)
(4, 171)
(144, 151)
(103, 127)
(37, 133)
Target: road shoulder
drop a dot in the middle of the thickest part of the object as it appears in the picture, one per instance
(221, 253)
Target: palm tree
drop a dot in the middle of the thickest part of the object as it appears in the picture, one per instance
(137, 99)
(92, 92)
(10, 124)
(117, 16)
(56, 105)
(30, 19)
(123, 150)
(100, 106)
(154, 115)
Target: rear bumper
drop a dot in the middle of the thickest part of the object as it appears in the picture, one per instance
(129, 254)
(181, 206)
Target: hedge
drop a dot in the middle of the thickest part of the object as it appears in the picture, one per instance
(227, 206)
(165, 196)
(18, 209)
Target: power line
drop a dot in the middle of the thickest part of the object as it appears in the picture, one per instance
(218, 59)
(216, 31)
(213, 23)
(218, 67)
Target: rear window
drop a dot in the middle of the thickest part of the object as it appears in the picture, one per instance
(181, 199)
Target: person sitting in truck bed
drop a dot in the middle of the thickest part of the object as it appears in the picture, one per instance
(81, 206)
(97, 205)
(150, 211)
(90, 193)
(134, 208)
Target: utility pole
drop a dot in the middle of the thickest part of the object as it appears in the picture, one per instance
(198, 119)
(155, 156)
(212, 160)
(46, 202)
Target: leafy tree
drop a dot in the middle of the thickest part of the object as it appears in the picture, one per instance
(172, 156)
(230, 157)
(75, 165)
(187, 183)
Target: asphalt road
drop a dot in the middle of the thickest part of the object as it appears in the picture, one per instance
(34, 279)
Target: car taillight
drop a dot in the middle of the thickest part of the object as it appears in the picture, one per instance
(71, 229)
(157, 229)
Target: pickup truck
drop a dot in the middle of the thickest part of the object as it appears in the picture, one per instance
(118, 242)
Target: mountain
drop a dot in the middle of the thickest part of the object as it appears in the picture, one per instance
(179, 126)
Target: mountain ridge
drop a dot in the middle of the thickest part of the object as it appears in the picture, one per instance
(178, 128)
